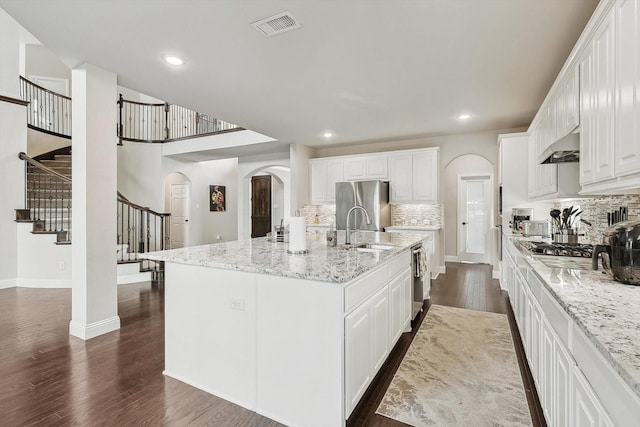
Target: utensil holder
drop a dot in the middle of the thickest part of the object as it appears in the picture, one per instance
(565, 236)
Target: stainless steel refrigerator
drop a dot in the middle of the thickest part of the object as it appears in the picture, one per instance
(371, 195)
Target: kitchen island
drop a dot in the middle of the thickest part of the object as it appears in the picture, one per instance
(296, 338)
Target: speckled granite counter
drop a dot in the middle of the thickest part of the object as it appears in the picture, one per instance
(605, 310)
(322, 263)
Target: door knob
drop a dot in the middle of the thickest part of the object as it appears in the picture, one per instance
(186, 220)
(464, 223)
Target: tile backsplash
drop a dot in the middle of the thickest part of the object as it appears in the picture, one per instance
(416, 215)
(595, 211)
(400, 214)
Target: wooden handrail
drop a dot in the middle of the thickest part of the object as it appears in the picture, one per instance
(42, 167)
(139, 103)
(124, 201)
(45, 89)
(11, 100)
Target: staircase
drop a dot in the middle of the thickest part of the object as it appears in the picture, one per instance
(48, 196)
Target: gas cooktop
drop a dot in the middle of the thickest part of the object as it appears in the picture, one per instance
(559, 249)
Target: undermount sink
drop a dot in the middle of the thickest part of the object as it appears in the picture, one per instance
(367, 247)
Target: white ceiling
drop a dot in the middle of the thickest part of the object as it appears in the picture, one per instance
(367, 70)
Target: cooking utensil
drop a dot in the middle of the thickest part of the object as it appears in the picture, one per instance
(620, 252)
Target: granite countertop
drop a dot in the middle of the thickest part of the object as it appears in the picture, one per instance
(414, 227)
(322, 263)
(605, 310)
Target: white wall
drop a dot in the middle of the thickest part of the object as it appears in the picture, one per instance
(141, 174)
(13, 139)
(41, 62)
(42, 263)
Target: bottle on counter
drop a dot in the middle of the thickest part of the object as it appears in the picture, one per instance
(332, 236)
(316, 220)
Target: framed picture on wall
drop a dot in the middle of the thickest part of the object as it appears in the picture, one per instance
(217, 198)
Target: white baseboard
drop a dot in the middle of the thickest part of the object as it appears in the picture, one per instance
(495, 274)
(43, 283)
(94, 329)
(134, 278)
(451, 258)
(8, 283)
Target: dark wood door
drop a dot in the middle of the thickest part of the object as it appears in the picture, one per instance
(260, 205)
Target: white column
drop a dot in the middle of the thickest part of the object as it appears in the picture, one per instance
(13, 139)
(94, 290)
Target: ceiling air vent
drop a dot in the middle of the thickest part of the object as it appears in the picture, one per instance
(276, 24)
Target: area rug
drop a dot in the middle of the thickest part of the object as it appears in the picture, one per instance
(460, 370)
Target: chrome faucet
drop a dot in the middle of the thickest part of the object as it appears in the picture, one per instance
(347, 240)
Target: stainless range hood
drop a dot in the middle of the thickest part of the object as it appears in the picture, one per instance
(564, 150)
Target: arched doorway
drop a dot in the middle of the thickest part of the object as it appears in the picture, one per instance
(468, 210)
(177, 201)
(280, 197)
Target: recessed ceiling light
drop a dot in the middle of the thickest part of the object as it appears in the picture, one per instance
(173, 60)
(464, 116)
(327, 134)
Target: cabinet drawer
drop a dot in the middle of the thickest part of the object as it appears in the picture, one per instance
(398, 264)
(535, 285)
(357, 292)
(556, 316)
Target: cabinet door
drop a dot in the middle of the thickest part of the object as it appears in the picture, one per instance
(318, 181)
(571, 101)
(547, 372)
(535, 337)
(425, 176)
(357, 354)
(603, 79)
(587, 114)
(335, 173)
(377, 167)
(379, 308)
(627, 89)
(401, 178)
(407, 298)
(396, 307)
(586, 406)
(562, 384)
(354, 168)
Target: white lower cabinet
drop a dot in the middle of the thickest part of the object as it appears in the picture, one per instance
(373, 327)
(588, 410)
(358, 326)
(379, 307)
(567, 397)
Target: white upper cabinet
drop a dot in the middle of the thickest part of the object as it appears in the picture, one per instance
(412, 174)
(610, 103)
(401, 177)
(324, 175)
(627, 87)
(425, 176)
(366, 167)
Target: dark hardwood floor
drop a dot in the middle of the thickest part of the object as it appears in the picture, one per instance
(50, 378)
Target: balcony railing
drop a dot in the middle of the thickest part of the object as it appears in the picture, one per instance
(148, 122)
(48, 111)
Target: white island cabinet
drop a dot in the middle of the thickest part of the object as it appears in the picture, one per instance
(296, 338)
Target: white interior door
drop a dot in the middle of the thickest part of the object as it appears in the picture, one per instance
(179, 215)
(474, 218)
